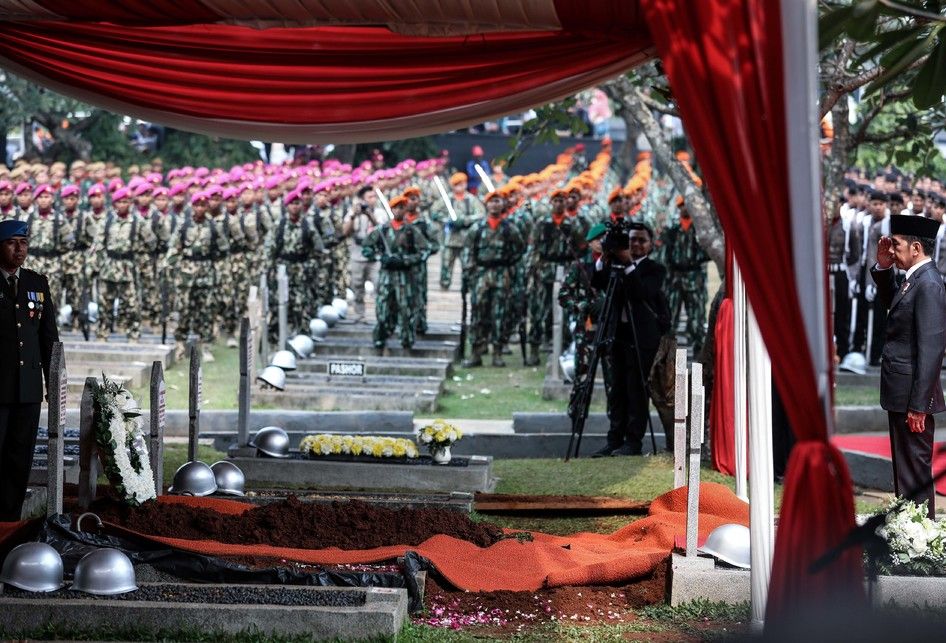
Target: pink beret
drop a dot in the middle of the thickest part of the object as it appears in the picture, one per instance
(114, 184)
(160, 191)
(173, 174)
(98, 188)
(292, 196)
(248, 185)
(155, 177)
(178, 188)
(248, 167)
(22, 186)
(231, 193)
(201, 171)
(68, 190)
(273, 182)
(214, 189)
(5, 185)
(199, 196)
(121, 193)
(42, 188)
(141, 188)
(135, 181)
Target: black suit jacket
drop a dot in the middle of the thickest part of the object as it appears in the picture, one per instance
(27, 336)
(916, 339)
(643, 289)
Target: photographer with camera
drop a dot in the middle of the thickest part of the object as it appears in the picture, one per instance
(641, 316)
(363, 216)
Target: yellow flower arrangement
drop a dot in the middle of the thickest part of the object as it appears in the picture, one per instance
(376, 446)
(438, 434)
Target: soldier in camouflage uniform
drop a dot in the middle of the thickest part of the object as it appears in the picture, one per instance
(255, 225)
(51, 237)
(493, 245)
(555, 241)
(340, 253)
(121, 241)
(414, 217)
(573, 211)
(73, 261)
(23, 193)
(400, 248)
(686, 263)
(295, 243)
(320, 268)
(7, 207)
(232, 266)
(519, 213)
(468, 210)
(193, 249)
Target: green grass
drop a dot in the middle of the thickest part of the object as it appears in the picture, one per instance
(176, 454)
(857, 396)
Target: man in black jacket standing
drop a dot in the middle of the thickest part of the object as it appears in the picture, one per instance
(641, 316)
(912, 357)
(27, 334)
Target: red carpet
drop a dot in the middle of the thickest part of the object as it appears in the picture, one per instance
(879, 445)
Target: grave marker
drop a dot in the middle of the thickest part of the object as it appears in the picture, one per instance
(55, 426)
(88, 451)
(680, 406)
(193, 404)
(264, 319)
(247, 372)
(282, 290)
(158, 407)
(696, 438)
(557, 327)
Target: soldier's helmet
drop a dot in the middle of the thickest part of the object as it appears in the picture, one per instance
(329, 315)
(301, 345)
(271, 441)
(854, 363)
(730, 544)
(318, 330)
(284, 360)
(273, 376)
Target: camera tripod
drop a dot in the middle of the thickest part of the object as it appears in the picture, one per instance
(580, 400)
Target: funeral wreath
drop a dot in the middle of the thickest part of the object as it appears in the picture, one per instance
(122, 443)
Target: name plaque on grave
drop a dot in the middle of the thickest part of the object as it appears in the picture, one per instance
(347, 369)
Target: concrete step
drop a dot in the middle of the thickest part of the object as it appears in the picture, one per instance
(437, 331)
(365, 348)
(374, 365)
(346, 399)
(870, 379)
(407, 384)
(134, 374)
(117, 352)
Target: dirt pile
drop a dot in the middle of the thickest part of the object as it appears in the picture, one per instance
(301, 525)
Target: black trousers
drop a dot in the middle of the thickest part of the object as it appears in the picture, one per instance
(18, 424)
(912, 460)
(842, 313)
(628, 401)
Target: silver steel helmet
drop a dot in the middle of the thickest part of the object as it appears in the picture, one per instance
(271, 441)
(369, 287)
(229, 477)
(854, 363)
(730, 544)
(284, 360)
(329, 315)
(318, 329)
(340, 306)
(194, 478)
(65, 315)
(567, 362)
(273, 376)
(34, 567)
(104, 572)
(93, 312)
(301, 345)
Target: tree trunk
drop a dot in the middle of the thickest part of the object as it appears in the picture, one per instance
(838, 157)
(708, 231)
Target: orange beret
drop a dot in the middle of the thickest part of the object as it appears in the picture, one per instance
(682, 155)
(398, 200)
(457, 177)
(616, 194)
(559, 194)
(679, 201)
(643, 155)
(413, 190)
(494, 194)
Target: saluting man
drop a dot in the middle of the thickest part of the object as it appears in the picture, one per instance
(27, 334)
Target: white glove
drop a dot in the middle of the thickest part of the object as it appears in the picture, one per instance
(853, 288)
(870, 293)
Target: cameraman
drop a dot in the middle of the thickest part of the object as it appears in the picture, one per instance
(360, 220)
(640, 317)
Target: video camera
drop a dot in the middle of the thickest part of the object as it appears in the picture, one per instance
(616, 238)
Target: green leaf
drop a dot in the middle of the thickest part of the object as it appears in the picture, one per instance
(930, 83)
(888, 39)
(831, 25)
(863, 23)
(901, 57)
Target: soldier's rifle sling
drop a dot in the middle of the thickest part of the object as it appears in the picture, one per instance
(387, 209)
(446, 199)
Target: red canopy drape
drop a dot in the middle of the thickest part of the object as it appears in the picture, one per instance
(724, 63)
(312, 84)
(722, 411)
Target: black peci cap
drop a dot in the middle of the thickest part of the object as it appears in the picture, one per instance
(909, 225)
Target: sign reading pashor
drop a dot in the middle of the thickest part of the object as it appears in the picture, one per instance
(347, 369)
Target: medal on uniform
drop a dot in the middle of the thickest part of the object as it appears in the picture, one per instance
(31, 305)
(40, 297)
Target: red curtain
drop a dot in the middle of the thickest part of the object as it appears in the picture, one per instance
(336, 83)
(724, 62)
(722, 412)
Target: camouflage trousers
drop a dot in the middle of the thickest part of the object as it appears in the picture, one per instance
(311, 287)
(148, 288)
(488, 301)
(540, 311)
(297, 318)
(241, 273)
(518, 300)
(584, 342)
(129, 308)
(226, 296)
(449, 257)
(686, 291)
(420, 296)
(196, 306)
(395, 306)
(326, 283)
(51, 268)
(342, 256)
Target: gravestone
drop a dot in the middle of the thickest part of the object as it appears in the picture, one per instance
(282, 292)
(696, 439)
(680, 406)
(557, 326)
(193, 404)
(264, 319)
(88, 451)
(56, 396)
(158, 420)
(247, 372)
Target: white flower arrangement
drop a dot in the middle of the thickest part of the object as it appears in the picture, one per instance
(917, 543)
(323, 444)
(438, 435)
(120, 438)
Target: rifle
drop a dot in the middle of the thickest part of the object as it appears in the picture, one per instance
(84, 298)
(165, 304)
(387, 209)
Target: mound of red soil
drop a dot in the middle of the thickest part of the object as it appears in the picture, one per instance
(302, 525)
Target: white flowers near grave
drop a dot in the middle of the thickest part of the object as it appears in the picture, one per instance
(121, 439)
(917, 543)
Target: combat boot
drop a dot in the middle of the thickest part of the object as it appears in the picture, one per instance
(533, 359)
(475, 360)
(498, 357)
(179, 351)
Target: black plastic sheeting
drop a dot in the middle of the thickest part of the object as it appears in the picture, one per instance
(72, 545)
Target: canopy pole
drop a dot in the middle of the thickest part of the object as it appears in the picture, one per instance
(740, 363)
(761, 473)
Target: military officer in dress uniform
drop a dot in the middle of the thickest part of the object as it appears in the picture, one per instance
(27, 334)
